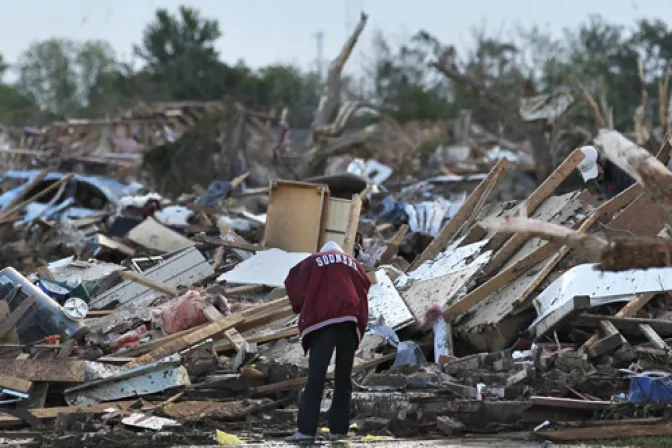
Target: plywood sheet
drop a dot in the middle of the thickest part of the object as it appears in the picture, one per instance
(268, 267)
(294, 216)
(422, 295)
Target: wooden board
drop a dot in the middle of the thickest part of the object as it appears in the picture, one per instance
(543, 192)
(14, 383)
(630, 219)
(615, 430)
(629, 310)
(51, 370)
(294, 216)
(187, 340)
(336, 221)
(422, 295)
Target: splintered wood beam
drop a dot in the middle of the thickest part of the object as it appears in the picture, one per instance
(187, 340)
(653, 337)
(223, 346)
(332, 86)
(629, 310)
(530, 205)
(393, 245)
(500, 280)
(609, 207)
(465, 212)
(643, 166)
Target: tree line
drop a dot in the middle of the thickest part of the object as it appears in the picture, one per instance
(59, 78)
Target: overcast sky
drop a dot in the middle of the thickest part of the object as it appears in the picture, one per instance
(266, 31)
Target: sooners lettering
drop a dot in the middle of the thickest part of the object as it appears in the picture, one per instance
(327, 259)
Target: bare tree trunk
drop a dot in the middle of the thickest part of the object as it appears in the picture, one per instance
(332, 87)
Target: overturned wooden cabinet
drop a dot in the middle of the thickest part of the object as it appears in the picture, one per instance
(302, 217)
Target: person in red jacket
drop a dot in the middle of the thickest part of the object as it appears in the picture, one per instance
(329, 291)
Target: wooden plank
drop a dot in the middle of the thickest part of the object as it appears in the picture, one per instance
(15, 383)
(611, 206)
(629, 325)
(629, 310)
(212, 313)
(257, 321)
(570, 403)
(223, 346)
(297, 383)
(353, 224)
(294, 216)
(250, 314)
(51, 370)
(148, 282)
(498, 281)
(8, 421)
(605, 345)
(617, 430)
(543, 192)
(653, 337)
(244, 289)
(187, 340)
(111, 243)
(449, 231)
(393, 245)
(7, 324)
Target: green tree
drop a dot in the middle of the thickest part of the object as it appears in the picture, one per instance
(402, 81)
(181, 57)
(3, 67)
(62, 74)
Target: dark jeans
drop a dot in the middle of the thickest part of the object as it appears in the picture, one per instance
(321, 343)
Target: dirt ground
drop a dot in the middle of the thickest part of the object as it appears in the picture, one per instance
(481, 442)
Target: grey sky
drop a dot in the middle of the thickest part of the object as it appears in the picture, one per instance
(265, 31)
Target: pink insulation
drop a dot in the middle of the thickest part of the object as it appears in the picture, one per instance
(129, 339)
(181, 313)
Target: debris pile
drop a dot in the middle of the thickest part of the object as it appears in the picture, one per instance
(169, 320)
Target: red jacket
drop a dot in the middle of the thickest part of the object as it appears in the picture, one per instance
(329, 288)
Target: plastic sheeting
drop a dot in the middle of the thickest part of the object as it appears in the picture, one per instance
(650, 387)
